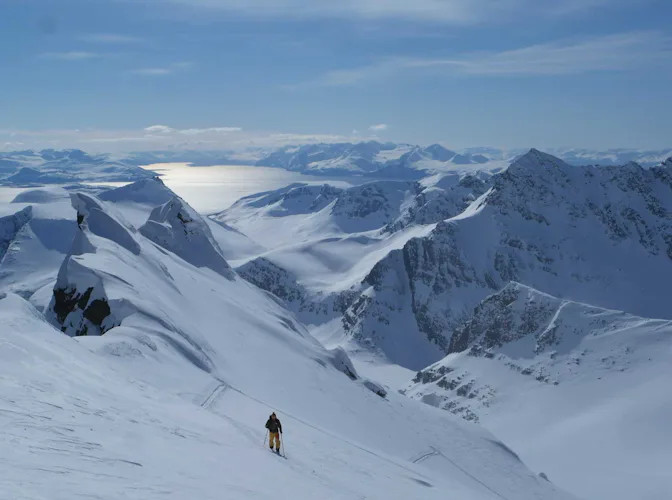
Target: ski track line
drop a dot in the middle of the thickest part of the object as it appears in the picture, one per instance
(436, 453)
(214, 395)
(425, 456)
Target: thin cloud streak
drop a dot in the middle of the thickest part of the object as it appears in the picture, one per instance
(153, 71)
(164, 129)
(435, 11)
(622, 52)
(74, 55)
(162, 137)
(163, 70)
(110, 38)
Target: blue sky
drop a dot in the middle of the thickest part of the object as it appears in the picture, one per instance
(146, 74)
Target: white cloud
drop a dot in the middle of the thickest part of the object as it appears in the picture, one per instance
(153, 71)
(110, 38)
(379, 127)
(112, 140)
(446, 11)
(219, 130)
(9, 146)
(159, 129)
(627, 51)
(74, 55)
(163, 70)
(164, 129)
(616, 52)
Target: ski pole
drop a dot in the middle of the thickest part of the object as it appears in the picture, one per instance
(265, 437)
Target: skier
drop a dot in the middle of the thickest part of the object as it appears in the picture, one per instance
(274, 430)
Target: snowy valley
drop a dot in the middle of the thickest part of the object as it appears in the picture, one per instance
(470, 327)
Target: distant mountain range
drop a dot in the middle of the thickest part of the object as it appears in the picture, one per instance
(50, 166)
(370, 159)
(390, 160)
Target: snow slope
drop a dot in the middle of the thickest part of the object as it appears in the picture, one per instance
(581, 391)
(171, 400)
(35, 235)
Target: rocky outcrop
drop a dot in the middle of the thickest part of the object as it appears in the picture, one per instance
(80, 304)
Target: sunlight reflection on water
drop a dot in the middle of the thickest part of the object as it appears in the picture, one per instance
(211, 189)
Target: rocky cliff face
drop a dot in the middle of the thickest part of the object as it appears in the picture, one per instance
(522, 338)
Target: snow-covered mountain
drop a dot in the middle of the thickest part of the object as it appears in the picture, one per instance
(425, 254)
(478, 279)
(339, 158)
(141, 365)
(386, 160)
(390, 160)
(332, 237)
(583, 156)
(50, 166)
(469, 265)
(556, 377)
(600, 235)
(374, 159)
(198, 158)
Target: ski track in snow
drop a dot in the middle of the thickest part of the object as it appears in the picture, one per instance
(214, 395)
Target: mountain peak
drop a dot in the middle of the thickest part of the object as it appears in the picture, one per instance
(151, 191)
(438, 152)
(534, 160)
(178, 228)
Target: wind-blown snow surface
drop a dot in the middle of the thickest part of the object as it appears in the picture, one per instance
(581, 391)
(171, 400)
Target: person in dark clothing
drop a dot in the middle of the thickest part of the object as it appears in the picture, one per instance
(274, 430)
